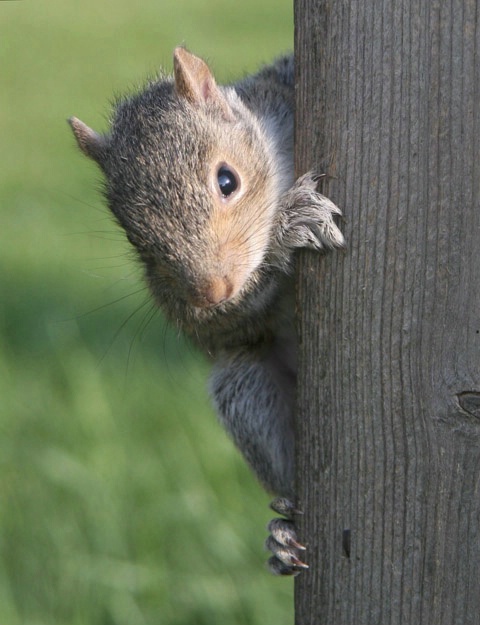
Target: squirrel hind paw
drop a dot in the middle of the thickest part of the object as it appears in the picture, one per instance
(277, 567)
(288, 552)
(285, 507)
(283, 531)
(285, 560)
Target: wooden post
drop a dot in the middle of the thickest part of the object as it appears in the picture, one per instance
(388, 103)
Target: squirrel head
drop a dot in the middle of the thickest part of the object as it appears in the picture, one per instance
(191, 178)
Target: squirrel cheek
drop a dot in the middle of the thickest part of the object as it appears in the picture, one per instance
(237, 263)
(238, 247)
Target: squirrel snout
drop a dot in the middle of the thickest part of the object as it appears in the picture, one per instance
(215, 291)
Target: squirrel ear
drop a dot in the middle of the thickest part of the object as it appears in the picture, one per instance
(90, 142)
(195, 82)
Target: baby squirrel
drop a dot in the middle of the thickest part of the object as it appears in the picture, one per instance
(200, 176)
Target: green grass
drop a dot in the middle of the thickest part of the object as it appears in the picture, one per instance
(122, 502)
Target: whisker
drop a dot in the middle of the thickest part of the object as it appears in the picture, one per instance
(103, 306)
(121, 327)
(145, 321)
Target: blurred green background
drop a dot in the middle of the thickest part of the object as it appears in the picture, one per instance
(122, 502)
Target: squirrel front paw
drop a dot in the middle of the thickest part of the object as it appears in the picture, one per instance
(308, 217)
(282, 542)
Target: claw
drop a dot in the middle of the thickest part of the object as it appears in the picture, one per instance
(283, 542)
(293, 543)
(285, 507)
(284, 553)
(299, 564)
(277, 567)
(284, 533)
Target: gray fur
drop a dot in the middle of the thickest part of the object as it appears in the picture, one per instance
(156, 159)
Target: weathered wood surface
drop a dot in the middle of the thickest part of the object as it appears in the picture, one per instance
(388, 102)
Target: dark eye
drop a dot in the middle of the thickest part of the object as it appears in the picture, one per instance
(227, 181)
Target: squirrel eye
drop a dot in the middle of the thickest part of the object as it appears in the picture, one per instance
(227, 180)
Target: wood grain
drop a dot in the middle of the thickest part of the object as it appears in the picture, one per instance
(388, 454)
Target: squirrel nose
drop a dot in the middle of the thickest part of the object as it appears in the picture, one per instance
(215, 291)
